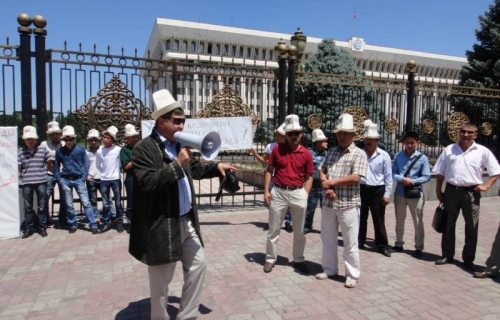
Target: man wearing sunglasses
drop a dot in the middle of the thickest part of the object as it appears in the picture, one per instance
(165, 227)
(461, 166)
(293, 168)
(73, 175)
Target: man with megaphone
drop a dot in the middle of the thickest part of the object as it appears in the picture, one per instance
(164, 223)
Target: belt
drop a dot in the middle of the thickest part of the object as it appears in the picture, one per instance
(288, 187)
(71, 177)
(467, 188)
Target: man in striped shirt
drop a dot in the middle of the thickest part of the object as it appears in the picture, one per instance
(340, 175)
(32, 162)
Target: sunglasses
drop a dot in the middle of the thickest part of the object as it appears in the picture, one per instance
(68, 139)
(467, 131)
(177, 121)
(293, 133)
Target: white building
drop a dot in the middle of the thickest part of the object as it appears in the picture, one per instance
(202, 42)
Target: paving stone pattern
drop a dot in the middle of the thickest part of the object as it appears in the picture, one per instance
(82, 276)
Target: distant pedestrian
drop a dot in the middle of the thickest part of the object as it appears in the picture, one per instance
(340, 175)
(132, 137)
(75, 169)
(376, 188)
(108, 163)
(461, 165)
(292, 167)
(33, 163)
(318, 152)
(410, 170)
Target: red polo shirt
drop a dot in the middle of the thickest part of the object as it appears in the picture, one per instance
(290, 167)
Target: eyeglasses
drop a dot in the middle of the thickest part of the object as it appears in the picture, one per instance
(467, 131)
(68, 139)
(293, 133)
(177, 121)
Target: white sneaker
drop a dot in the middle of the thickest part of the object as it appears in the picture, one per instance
(350, 283)
(324, 276)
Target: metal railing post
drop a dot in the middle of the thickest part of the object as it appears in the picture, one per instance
(25, 61)
(41, 76)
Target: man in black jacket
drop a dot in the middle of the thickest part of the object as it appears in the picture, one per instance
(164, 225)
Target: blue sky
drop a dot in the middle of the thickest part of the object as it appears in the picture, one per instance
(438, 26)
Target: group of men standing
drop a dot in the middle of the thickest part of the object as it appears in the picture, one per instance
(60, 161)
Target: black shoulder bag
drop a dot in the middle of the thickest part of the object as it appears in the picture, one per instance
(412, 192)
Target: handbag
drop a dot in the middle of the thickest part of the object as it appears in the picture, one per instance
(439, 220)
(228, 183)
(412, 192)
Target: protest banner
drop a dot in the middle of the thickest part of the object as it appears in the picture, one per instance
(9, 184)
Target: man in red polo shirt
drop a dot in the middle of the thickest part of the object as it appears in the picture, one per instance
(293, 168)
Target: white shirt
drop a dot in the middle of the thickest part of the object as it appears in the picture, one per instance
(465, 169)
(52, 149)
(93, 172)
(379, 171)
(107, 161)
(270, 147)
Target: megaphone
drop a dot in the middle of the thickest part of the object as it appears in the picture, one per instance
(209, 145)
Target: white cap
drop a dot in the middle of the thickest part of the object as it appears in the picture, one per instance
(164, 103)
(371, 131)
(112, 131)
(130, 130)
(318, 135)
(53, 127)
(29, 132)
(68, 131)
(292, 123)
(93, 133)
(345, 123)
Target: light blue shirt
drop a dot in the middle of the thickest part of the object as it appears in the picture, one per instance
(183, 184)
(419, 174)
(378, 172)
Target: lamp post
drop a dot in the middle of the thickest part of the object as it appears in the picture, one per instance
(293, 55)
(411, 68)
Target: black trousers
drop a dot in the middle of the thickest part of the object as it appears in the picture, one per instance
(371, 200)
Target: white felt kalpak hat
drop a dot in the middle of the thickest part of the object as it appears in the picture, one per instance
(292, 123)
(68, 131)
(345, 123)
(130, 130)
(318, 135)
(53, 127)
(93, 133)
(112, 131)
(164, 103)
(29, 132)
(366, 123)
(371, 131)
(281, 129)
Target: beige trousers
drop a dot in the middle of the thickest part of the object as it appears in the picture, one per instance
(416, 207)
(281, 201)
(193, 265)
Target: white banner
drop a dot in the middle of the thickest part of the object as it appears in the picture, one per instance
(9, 185)
(236, 132)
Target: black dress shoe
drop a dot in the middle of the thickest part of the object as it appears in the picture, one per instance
(469, 266)
(397, 248)
(27, 233)
(43, 233)
(72, 230)
(386, 252)
(417, 254)
(95, 230)
(288, 227)
(443, 260)
(119, 228)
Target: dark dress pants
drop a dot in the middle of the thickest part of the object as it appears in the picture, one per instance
(371, 200)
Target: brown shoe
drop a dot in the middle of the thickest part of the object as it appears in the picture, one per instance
(268, 267)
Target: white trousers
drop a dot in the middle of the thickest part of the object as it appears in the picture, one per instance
(416, 207)
(281, 201)
(193, 265)
(348, 220)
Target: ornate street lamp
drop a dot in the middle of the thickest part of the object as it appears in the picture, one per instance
(299, 41)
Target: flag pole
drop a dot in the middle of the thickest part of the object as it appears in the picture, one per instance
(354, 15)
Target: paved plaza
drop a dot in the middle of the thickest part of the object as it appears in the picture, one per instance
(82, 276)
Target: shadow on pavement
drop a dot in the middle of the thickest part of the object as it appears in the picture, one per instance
(260, 258)
(141, 310)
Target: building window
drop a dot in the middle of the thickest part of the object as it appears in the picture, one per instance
(193, 47)
(217, 49)
(225, 51)
(233, 51)
(201, 47)
(264, 54)
(184, 47)
(168, 44)
(200, 92)
(176, 45)
(258, 108)
(242, 51)
(271, 54)
(249, 52)
(256, 54)
(210, 47)
(200, 105)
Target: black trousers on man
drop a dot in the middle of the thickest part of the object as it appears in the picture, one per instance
(371, 200)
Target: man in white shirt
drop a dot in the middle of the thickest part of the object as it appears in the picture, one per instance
(94, 177)
(376, 188)
(461, 166)
(108, 163)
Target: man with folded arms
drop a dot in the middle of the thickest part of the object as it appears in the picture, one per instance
(340, 175)
(461, 166)
(293, 168)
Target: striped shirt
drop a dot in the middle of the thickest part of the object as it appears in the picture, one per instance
(339, 164)
(32, 165)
